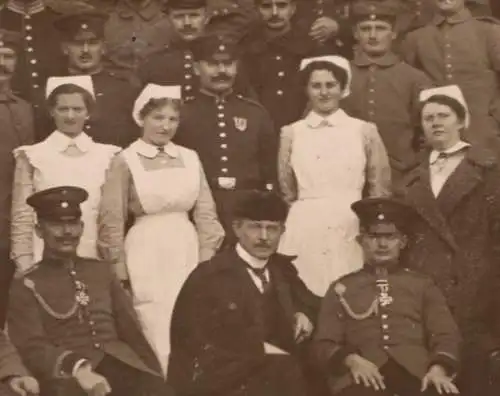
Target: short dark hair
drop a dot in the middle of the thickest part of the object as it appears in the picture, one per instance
(259, 206)
(338, 72)
(157, 103)
(445, 100)
(67, 89)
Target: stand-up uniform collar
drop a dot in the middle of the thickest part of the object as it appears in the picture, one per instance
(361, 59)
(459, 17)
(20, 7)
(61, 142)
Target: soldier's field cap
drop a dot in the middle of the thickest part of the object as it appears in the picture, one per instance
(260, 206)
(75, 24)
(185, 4)
(10, 39)
(58, 203)
(209, 46)
(384, 210)
(372, 10)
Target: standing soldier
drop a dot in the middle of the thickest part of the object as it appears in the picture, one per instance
(134, 30)
(384, 89)
(457, 48)
(174, 65)
(16, 119)
(233, 135)
(325, 25)
(39, 55)
(83, 45)
(273, 52)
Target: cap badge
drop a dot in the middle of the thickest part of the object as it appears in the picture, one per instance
(64, 205)
(85, 26)
(222, 47)
(380, 216)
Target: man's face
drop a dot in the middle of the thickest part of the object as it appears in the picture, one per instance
(85, 52)
(259, 238)
(450, 6)
(374, 37)
(8, 61)
(382, 243)
(189, 24)
(276, 14)
(61, 237)
(218, 73)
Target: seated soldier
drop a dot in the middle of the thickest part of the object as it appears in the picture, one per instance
(72, 322)
(14, 377)
(386, 330)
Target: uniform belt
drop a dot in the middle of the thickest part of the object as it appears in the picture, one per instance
(232, 183)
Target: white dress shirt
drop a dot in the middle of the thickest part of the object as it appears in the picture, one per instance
(443, 163)
(254, 263)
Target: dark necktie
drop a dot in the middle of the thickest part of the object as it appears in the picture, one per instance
(160, 149)
(261, 274)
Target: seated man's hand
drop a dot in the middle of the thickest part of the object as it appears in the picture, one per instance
(303, 327)
(24, 386)
(271, 349)
(365, 372)
(91, 382)
(437, 376)
(323, 29)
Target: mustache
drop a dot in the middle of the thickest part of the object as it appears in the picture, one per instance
(221, 78)
(275, 19)
(187, 29)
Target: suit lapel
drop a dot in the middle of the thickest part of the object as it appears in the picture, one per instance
(420, 195)
(282, 288)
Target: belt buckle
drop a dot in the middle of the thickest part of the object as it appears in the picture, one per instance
(227, 183)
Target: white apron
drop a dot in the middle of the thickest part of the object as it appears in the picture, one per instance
(161, 249)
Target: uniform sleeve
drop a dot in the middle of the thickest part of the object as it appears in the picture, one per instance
(378, 171)
(113, 212)
(286, 176)
(10, 361)
(409, 49)
(210, 231)
(23, 216)
(42, 357)
(493, 42)
(268, 151)
(329, 346)
(443, 335)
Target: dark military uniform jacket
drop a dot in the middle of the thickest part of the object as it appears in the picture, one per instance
(399, 315)
(40, 55)
(111, 119)
(10, 362)
(386, 91)
(61, 314)
(234, 137)
(218, 330)
(272, 65)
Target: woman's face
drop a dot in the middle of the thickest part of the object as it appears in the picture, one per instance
(70, 113)
(160, 125)
(324, 91)
(441, 126)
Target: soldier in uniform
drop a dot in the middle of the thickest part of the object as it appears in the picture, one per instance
(242, 318)
(273, 52)
(325, 25)
(16, 118)
(174, 65)
(385, 90)
(83, 44)
(386, 330)
(135, 29)
(39, 55)
(70, 318)
(457, 48)
(236, 140)
(14, 377)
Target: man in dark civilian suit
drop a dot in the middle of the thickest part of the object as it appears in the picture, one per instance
(242, 319)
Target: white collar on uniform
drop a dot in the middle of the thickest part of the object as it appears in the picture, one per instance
(249, 259)
(459, 146)
(61, 142)
(151, 151)
(314, 120)
(26, 9)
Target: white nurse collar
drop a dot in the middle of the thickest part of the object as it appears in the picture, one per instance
(154, 91)
(337, 61)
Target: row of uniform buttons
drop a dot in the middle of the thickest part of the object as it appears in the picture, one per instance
(281, 74)
(28, 38)
(221, 122)
(448, 58)
(371, 92)
(385, 327)
(188, 76)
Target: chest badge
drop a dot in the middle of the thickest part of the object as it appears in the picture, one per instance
(240, 123)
